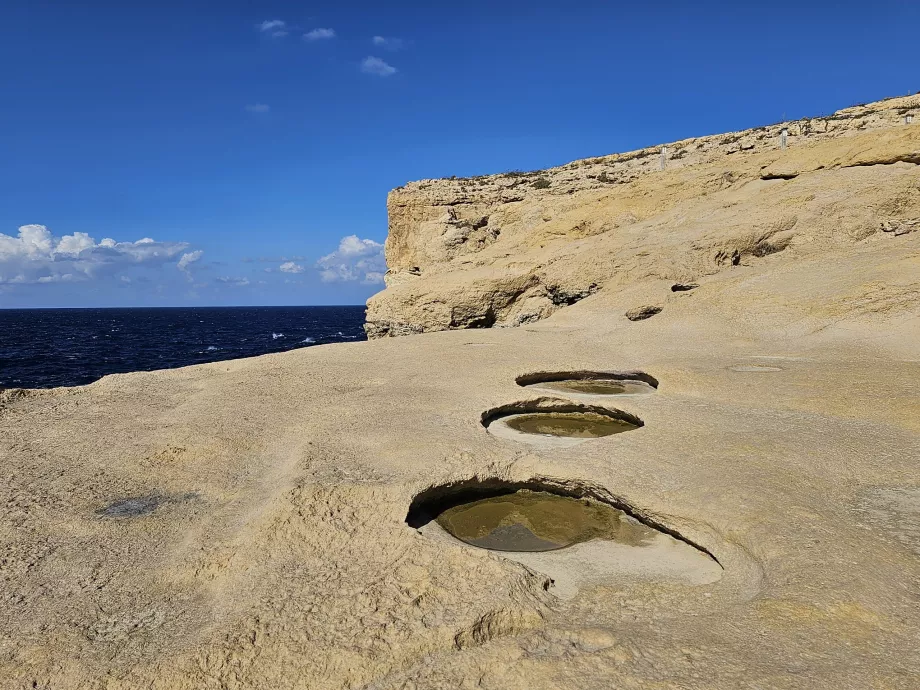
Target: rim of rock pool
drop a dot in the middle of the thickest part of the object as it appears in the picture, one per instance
(429, 504)
(559, 407)
(644, 382)
(585, 375)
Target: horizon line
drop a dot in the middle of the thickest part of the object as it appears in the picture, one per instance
(200, 306)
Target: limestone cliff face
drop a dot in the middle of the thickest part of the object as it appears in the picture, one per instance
(509, 249)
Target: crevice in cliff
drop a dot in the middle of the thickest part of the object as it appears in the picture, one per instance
(913, 158)
(566, 297)
(459, 319)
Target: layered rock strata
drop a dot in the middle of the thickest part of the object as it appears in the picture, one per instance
(510, 249)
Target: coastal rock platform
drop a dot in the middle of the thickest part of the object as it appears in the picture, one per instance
(242, 524)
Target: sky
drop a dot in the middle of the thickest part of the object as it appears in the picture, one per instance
(240, 153)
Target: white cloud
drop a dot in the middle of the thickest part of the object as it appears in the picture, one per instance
(388, 43)
(72, 245)
(352, 246)
(65, 278)
(354, 260)
(37, 256)
(186, 260)
(291, 267)
(319, 34)
(274, 27)
(239, 282)
(258, 108)
(270, 259)
(189, 258)
(374, 65)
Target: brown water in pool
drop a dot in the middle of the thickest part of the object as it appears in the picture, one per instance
(598, 386)
(540, 521)
(568, 424)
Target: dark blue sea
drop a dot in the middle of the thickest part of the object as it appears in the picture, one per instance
(43, 348)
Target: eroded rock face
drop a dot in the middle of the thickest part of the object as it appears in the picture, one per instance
(510, 249)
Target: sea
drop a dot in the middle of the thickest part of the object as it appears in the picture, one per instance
(44, 348)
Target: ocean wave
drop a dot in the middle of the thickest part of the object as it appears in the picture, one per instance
(275, 336)
(308, 340)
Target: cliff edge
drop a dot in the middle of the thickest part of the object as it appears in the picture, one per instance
(510, 249)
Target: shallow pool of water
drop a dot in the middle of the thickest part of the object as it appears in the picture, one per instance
(540, 521)
(568, 424)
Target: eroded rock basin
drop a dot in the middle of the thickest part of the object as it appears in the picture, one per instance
(539, 521)
(576, 540)
(568, 424)
(561, 427)
(590, 384)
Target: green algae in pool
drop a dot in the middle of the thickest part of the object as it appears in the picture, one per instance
(568, 424)
(598, 386)
(540, 521)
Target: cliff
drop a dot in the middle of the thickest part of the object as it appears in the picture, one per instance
(510, 249)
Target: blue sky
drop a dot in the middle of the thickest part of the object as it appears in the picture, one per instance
(240, 152)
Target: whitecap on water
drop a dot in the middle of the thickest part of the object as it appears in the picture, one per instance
(275, 336)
